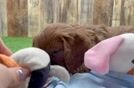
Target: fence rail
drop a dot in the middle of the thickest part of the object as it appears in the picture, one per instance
(28, 17)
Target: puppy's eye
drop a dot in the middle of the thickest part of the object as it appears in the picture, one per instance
(56, 51)
(133, 61)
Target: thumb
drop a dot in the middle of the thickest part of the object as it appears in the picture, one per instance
(18, 76)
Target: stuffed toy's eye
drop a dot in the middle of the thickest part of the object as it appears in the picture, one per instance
(133, 61)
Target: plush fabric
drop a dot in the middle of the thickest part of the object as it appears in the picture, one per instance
(33, 58)
(54, 82)
(120, 60)
(59, 72)
(38, 62)
(98, 57)
(94, 80)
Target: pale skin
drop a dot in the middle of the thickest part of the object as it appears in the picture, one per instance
(4, 49)
(10, 77)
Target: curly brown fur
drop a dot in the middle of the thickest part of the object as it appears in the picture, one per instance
(66, 44)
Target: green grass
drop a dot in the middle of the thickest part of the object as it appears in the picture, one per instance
(16, 43)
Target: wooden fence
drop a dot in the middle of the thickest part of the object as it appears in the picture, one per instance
(28, 17)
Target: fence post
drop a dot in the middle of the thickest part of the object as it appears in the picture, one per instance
(87, 11)
(17, 13)
(3, 17)
(116, 13)
(127, 12)
(34, 17)
(103, 12)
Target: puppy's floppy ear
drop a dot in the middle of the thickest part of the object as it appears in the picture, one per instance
(68, 40)
(74, 47)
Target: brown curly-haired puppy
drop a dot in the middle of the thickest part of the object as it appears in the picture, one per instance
(66, 44)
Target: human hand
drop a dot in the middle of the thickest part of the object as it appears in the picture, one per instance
(4, 49)
(12, 77)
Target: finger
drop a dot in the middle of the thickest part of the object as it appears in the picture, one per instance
(5, 76)
(4, 49)
(18, 75)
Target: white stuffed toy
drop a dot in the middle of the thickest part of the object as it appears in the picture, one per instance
(114, 54)
(38, 62)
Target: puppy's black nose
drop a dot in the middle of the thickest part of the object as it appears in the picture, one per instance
(133, 61)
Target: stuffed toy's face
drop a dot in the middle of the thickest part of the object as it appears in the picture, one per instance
(113, 54)
(123, 59)
(125, 64)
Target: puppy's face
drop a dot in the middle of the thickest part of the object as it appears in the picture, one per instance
(66, 44)
(50, 40)
(53, 46)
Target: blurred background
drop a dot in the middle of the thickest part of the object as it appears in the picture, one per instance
(26, 18)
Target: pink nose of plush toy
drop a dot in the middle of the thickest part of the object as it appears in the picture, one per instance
(97, 58)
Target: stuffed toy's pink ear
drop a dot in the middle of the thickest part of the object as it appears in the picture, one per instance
(97, 58)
